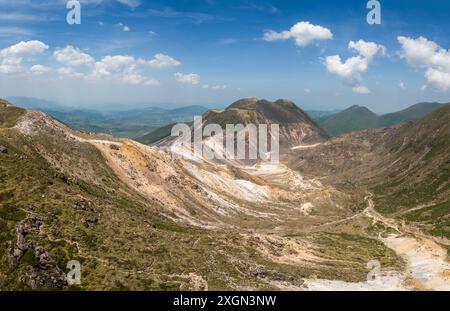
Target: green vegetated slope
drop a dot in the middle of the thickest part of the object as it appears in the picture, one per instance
(358, 118)
(407, 167)
(412, 113)
(352, 119)
(417, 185)
(63, 214)
(156, 135)
(420, 171)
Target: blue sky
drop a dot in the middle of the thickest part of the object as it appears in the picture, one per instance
(212, 52)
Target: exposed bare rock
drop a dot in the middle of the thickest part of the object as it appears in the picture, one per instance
(44, 272)
(34, 222)
(114, 147)
(83, 205)
(89, 221)
(18, 249)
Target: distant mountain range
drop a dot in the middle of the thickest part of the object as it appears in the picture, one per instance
(124, 124)
(358, 118)
(151, 124)
(34, 103)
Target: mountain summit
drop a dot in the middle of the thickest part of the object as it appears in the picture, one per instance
(296, 126)
(351, 119)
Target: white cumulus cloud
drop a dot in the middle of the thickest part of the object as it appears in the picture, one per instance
(214, 87)
(190, 78)
(11, 58)
(426, 54)
(303, 33)
(120, 68)
(24, 48)
(72, 56)
(367, 49)
(438, 78)
(163, 61)
(39, 69)
(360, 90)
(351, 70)
(69, 72)
(219, 87)
(131, 3)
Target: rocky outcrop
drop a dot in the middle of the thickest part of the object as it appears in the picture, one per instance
(89, 221)
(83, 205)
(40, 270)
(18, 250)
(45, 274)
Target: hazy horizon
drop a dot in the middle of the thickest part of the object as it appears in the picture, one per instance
(110, 107)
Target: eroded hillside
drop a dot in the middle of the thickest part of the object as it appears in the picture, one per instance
(137, 218)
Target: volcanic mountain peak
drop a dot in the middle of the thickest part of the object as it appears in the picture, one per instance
(255, 103)
(359, 109)
(244, 103)
(296, 127)
(351, 119)
(252, 102)
(257, 111)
